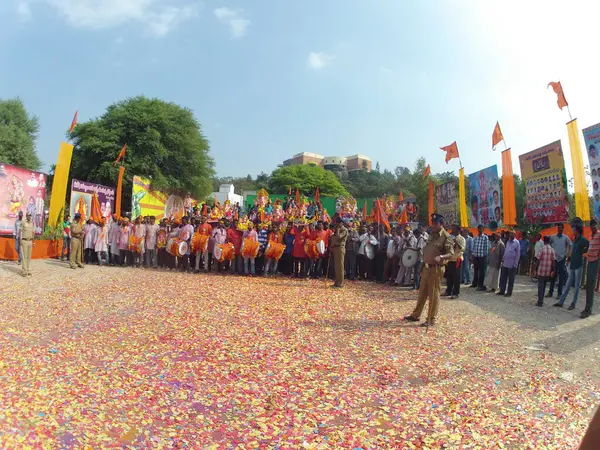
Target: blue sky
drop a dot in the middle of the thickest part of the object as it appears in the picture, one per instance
(394, 80)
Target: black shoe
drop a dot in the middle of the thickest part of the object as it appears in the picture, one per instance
(482, 289)
(539, 304)
(585, 314)
(508, 295)
(473, 286)
(549, 295)
(500, 293)
(427, 324)
(558, 305)
(410, 318)
(571, 307)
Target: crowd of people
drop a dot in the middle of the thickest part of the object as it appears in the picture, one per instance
(301, 249)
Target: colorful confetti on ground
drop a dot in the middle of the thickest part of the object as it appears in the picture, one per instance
(132, 358)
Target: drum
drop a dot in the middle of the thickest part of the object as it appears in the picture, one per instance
(410, 257)
(172, 244)
(199, 243)
(321, 247)
(310, 248)
(218, 253)
(250, 248)
(182, 248)
(135, 245)
(228, 253)
(161, 239)
(275, 250)
(370, 251)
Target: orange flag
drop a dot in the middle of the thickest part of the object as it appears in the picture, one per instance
(317, 195)
(451, 151)
(496, 136)
(74, 123)
(297, 196)
(558, 90)
(401, 196)
(403, 217)
(119, 191)
(380, 215)
(427, 171)
(121, 155)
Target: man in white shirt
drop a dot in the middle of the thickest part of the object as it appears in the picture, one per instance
(151, 233)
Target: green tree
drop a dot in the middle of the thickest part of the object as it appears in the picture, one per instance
(18, 134)
(164, 143)
(306, 177)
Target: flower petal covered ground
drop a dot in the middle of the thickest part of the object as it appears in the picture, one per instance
(132, 358)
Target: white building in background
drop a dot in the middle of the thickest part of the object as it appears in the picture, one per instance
(227, 192)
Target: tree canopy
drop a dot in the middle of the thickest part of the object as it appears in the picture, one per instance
(306, 178)
(18, 135)
(164, 143)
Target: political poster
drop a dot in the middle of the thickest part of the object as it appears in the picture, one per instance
(81, 199)
(543, 172)
(485, 200)
(591, 136)
(146, 201)
(21, 190)
(445, 202)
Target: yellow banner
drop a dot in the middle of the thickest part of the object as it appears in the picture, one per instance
(464, 219)
(582, 204)
(508, 190)
(146, 201)
(59, 185)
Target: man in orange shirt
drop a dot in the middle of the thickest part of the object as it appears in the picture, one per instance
(204, 229)
(319, 235)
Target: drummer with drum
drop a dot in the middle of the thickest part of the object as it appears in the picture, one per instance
(409, 257)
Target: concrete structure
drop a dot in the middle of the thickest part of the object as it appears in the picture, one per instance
(227, 192)
(358, 162)
(304, 158)
(334, 163)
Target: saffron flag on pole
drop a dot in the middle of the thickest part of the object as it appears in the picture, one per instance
(403, 217)
(119, 191)
(496, 136)
(430, 200)
(121, 155)
(508, 190)
(317, 195)
(297, 197)
(380, 215)
(558, 90)
(74, 122)
(464, 219)
(401, 196)
(427, 171)
(451, 151)
(582, 204)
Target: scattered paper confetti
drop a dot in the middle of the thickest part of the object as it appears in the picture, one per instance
(134, 358)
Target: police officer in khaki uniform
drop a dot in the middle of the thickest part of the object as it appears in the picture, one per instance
(76, 256)
(26, 243)
(438, 250)
(338, 249)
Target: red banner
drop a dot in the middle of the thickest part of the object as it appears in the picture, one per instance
(21, 190)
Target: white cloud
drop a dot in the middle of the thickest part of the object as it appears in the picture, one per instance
(24, 10)
(317, 60)
(159, 18)
(234, 20)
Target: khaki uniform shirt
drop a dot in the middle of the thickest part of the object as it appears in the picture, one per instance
(27, 231)
(77, 230)
(459, 247)
(339, 237)
(437, 245)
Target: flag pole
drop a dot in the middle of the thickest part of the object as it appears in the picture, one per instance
(569, 111)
